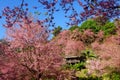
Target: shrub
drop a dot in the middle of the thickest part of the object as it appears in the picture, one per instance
(96, 25)
(88, 54)
(109, 28)
(73, 28)
(38, 56)
(57, 31)
(82, 75)
(90, 24)
(77, 66)
(111, 76)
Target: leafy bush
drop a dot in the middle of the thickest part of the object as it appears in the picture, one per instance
(35, 53)
(109, 28)
(77, 66)
(57, 31)
(88, 54)
(115, 76)
(111, 76)
(90, 24)
(73, 28)
(82, 73)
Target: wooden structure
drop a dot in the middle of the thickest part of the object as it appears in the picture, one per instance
(74, 59)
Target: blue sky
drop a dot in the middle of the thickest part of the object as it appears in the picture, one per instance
(4, 3)
(59, 17)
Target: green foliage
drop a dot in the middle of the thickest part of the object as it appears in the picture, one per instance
(90, 24)
(82, 73)
(88, 54)
(109, 28)
(73, 28)
(57, 31)
(111, 76)
(77, 66)
(115, 76)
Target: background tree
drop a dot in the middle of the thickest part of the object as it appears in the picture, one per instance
(41, 58)
(57, 31)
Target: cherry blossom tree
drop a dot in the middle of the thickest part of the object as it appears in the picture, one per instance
(32, 52)
(91, 8)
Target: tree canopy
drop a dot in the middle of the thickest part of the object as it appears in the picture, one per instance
(91, 8)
